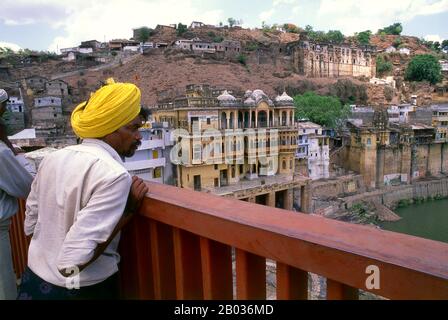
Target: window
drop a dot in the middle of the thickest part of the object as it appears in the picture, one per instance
(216, 167)
(157, 173)
(197, 183)
(155, 154)
(369, 141)
(284, 165)
(208, 120)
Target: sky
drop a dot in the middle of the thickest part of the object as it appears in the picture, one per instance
(50, 25)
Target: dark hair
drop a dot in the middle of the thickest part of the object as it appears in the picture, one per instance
(144, 113)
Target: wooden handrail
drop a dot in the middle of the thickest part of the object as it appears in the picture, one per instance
(410, 267)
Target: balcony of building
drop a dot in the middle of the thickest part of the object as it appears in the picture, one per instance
(151, 144)
(145, 164)
(190, 245)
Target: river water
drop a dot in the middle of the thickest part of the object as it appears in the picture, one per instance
(427, 220)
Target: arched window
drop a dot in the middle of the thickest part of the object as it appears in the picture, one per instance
(284, 165)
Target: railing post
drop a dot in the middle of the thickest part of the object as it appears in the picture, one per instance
(250, 276)
(162, 251)
(216, 270)
(187, 262)
(340, 291)
(136, 269)
(292, 283)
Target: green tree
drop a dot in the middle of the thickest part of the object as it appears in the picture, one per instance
(292, 28)
(144, 34)
(335, 36)
(232, 22)
(394, 29)
(324, 110)
(382, 65)
(364, 37)
(242, 59)
(445, 44)
(424, 67)
(181, 29)
(397, 42)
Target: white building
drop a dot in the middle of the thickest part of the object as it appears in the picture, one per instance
(151, 160)
(15, 104)
(393, 113)
(405, 109)
(85, 50)
(385, 81)
(196, 24)
(184, 44)
(314, 146)
(405, 51)
(47, 102)
(444, 65)
(391, 49)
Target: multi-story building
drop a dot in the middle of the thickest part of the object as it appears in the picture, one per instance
(387, 153)
(16, 116)
(237, 147)
(326, 60)
(151, 160)
(314, 147)
(440, 121)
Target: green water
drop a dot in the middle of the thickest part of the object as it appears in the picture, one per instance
(427, 220)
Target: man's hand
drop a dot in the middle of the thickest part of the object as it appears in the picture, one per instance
(136, 194)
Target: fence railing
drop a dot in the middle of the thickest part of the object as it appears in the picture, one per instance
(191, 245)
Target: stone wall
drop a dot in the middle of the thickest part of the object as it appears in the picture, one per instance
(390, 196)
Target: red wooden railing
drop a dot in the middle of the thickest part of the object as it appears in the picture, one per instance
(180, 247)
(183, 245)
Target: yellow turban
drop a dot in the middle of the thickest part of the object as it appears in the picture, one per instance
(108, 109)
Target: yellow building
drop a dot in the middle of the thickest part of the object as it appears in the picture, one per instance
(242, 147)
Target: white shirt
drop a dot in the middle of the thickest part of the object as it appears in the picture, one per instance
(76, 200)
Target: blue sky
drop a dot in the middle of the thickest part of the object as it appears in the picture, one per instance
(53, 24)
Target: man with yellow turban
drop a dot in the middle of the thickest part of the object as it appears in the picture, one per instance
(82, 196)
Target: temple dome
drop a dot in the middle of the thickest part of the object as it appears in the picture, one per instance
(225, 96)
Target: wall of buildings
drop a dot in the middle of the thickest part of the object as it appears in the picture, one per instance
(326, 60)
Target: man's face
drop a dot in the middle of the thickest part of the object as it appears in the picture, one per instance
(127, 139)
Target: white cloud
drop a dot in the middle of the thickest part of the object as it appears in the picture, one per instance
(354, 15)
(266, 15)
(10, 45)
(434, 38)
(102, 19)
(116, 19)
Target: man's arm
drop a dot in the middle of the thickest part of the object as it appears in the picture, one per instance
(98, 223)
(31, 211)
(136, 195)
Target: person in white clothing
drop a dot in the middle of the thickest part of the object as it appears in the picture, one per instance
(82, 196)
(15, 182)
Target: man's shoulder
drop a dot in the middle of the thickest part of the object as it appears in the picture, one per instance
(93, 154)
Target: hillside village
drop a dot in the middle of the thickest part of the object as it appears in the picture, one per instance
(172, 63)
(387, 147)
